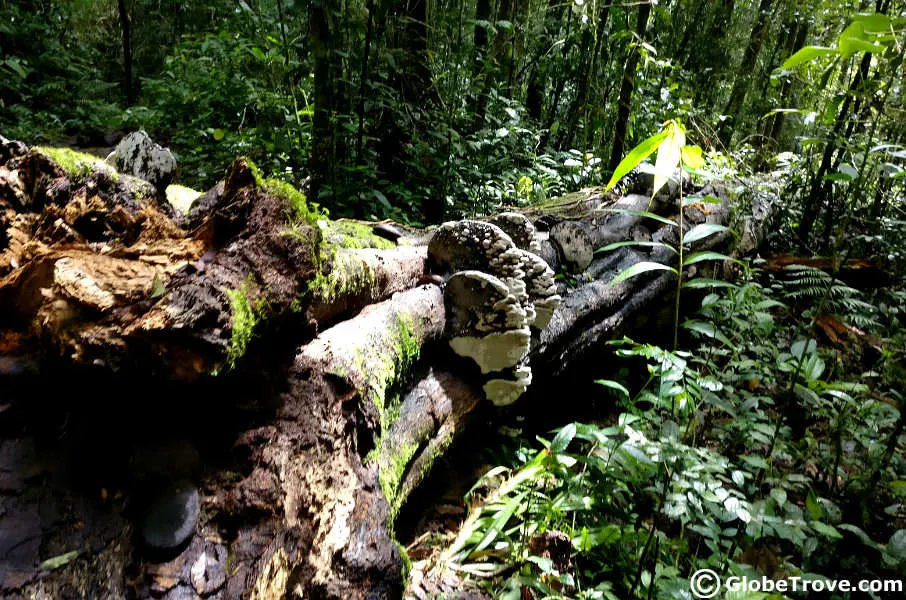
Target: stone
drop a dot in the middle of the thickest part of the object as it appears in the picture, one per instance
(171, 517)
(138, 155)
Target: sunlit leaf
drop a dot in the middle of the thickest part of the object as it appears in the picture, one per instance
(692, 157)
(807, 54)
(701, 231)
(636, 156)
(638, 269)
(563, 438)
(668, 156)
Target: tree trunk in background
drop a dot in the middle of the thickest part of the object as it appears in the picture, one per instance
(323, 157)
(774, 125)
(591, 47)
(561, 83)
(710, 55)
(744, 75)
(363, 80)
(481, 67)
(126, 26)
(818, 190)
(492, 56)
(626, 88)
(416, 83)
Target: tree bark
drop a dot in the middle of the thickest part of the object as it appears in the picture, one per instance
(744, 74)
(126, 28)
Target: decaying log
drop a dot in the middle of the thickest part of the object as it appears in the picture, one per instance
(348, 360)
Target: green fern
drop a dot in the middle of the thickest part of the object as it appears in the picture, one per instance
(805, 283)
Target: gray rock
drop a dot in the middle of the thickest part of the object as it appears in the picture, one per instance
(171, 517)
(138, 155)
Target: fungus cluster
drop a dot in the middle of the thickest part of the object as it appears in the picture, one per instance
(498, 290)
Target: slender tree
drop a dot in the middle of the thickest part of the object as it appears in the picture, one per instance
(626, 88)
(743, 78)
(126, 27)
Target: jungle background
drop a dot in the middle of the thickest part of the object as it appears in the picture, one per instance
(786, 388)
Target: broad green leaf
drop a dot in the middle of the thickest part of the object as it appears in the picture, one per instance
(754, 461)
(779, 496)
(826, 530)
(701, 231)
(855, 39)
(806, 54)
(609, 383)
(563, 438)
(219, 134)
(635, 156)
(641, 213)
(874, 22)
(638, 269)
(898, 487)
(615, 245)
(700, 256)
(500, 520)
(848, 169)
(258, 53)
(850, 45)
(381, 198)
(706, 282)
(692, 157)
(668, 156)
(861, 535)
(702, 327)
(813, 506)
(16, 65)
(896, 545)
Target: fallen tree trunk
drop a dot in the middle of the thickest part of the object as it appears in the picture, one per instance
(296, 377)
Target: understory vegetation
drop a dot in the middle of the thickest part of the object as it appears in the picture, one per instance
(763, 435)
(753, 451)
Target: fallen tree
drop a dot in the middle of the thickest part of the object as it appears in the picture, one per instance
(294, 378)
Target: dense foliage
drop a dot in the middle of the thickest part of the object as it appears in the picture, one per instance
(759, 441)
(419, 110)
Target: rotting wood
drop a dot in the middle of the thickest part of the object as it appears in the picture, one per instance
(252, 283)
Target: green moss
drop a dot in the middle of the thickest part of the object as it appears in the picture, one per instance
(391, 471)
(406, 560)
(182, 197)
(348, 274)
(386, 370)
(247, 315)
(349, 234)
(409, 346)
(75, 164)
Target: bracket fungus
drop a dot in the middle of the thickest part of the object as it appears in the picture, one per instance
(496, 292)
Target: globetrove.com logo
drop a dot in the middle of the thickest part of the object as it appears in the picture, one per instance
(706, 583)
